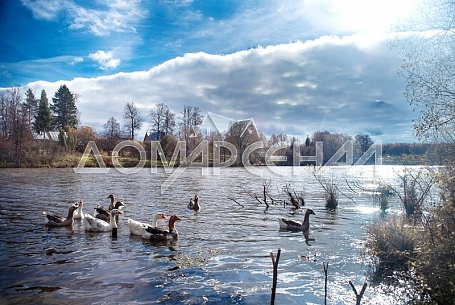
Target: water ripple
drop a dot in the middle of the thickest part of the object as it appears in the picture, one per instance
(221, 256)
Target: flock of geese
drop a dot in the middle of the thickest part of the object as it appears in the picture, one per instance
(106, 219)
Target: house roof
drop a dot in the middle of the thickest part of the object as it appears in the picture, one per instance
(49, 135)
(217, 123)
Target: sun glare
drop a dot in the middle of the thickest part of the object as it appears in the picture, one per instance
(372, 16)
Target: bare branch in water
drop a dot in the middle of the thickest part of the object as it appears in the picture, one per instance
(230, 198)
(358, 296)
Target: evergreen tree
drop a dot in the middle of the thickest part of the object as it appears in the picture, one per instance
(307, 141)
(64, 108)
(43, 118)
(31, 103)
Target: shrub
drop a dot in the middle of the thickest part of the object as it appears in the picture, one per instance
(436, 260)
(331, 198)
(330, 188)
(381, 196)
(423, 254)
(392, 242)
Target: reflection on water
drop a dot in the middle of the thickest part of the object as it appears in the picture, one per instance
(222, 254)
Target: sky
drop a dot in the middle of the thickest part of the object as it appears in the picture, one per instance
(294, 66)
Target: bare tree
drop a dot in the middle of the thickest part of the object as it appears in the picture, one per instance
(241, 134)
(111, 133)
(332, 142)
(278, 139)
(169, 123)
(364, 141)
(190, 120)
(3, 114)
(133, 119)
(428, 67)
(162, 120)
(17, 128)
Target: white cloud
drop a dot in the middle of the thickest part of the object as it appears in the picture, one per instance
(76, 60)
(335, 84)
(45, 9)
(105, 59)
(116, 16)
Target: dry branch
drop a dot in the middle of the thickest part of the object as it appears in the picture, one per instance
(230, 198)
(358, 296)
(326, 267)
(275, 274)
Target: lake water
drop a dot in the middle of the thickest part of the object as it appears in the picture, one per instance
(222, 255)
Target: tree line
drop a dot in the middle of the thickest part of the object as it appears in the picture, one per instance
(25, 119)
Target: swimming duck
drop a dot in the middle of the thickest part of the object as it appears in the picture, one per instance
(160, 234)
(293, 225)
(136, 227)
(194, 203)
(93, 224)
(54, 220)
(78, 214)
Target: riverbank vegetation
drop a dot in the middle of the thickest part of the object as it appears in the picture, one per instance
(416, 250)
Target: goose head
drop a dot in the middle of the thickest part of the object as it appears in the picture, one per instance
(173, 219)
(119, 205)
(112, 198)
(78, 213)
(71, 210)
(115, 212)
(159, 216)
(310, 212)
(75, 206)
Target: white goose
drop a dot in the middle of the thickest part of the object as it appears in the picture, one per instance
(160, 234)
(293, 225)
(93, 224)
(137, 227)
(78, 214)
(54, 220)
